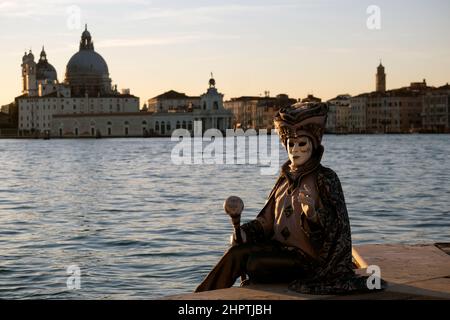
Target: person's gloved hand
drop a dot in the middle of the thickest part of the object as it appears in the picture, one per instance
(233, 238)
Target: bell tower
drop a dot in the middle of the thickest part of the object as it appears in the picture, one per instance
(380, 79)
(29, 74)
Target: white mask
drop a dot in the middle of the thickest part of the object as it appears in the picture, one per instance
(299, 150)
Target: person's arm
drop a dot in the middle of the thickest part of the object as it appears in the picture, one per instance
(261, 228)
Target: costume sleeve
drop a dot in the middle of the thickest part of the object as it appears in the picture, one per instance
(331, 230)
(261, 228)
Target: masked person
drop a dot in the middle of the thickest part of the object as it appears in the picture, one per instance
(302, 235)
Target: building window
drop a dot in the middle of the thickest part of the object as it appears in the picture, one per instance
(76, 132)
(178, 125)
(60, 132)
(109, 131)
(92, 131)
(156, 126)
(168, 126)
(126, 131)
(190, 125)
(184, 124)
(216, 105)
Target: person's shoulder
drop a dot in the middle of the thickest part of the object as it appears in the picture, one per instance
(327, 175)
(327, 172)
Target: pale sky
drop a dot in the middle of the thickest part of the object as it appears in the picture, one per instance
(283, 46)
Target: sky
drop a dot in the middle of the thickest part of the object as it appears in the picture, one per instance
(301, 47)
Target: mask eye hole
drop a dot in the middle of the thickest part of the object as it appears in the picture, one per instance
(291, 144)
(302, 144)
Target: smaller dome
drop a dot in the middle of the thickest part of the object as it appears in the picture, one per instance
(30, 56)
(45, 71)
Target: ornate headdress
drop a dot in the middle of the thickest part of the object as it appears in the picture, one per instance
(302, 119)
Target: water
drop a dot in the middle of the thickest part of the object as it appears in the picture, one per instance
(141, 228)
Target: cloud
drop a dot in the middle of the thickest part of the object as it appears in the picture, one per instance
(206, 13)
(161, 41)
(39, 8)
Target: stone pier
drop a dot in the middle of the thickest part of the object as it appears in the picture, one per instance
(412, 272)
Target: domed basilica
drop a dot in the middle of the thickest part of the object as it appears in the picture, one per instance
(87, 71)
(86, 105)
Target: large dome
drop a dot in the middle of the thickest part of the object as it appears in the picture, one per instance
(87, 62)
(87, 71)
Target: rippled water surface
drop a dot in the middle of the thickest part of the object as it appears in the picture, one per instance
(140, 227)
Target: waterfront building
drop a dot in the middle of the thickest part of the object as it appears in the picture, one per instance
(86, 90)
(435, 112)
(396, 110)
(8, 120)
(173, 110)
(243, 110)
(172, 101)
(311, 98)
(342, 117)
(341, 101)
(358, 114)
(251, 112)
(86, 104)
(5, 120)
(144, 123)
(267, 108)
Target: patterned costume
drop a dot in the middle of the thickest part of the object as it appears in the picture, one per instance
(312, 253)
